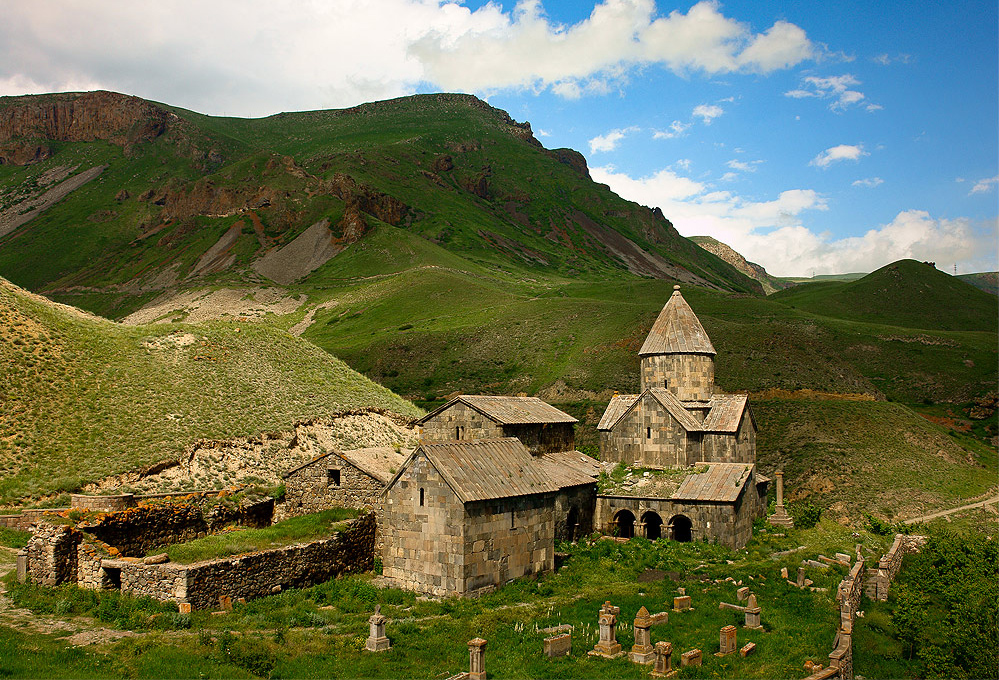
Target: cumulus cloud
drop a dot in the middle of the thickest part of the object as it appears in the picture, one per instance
(254, 57)
(675, 129)
(869, 182)
(837, 89)
(707, 112)
(610, 141)
(743, 166)
(983, 186)
(773, 233)
(842, 152)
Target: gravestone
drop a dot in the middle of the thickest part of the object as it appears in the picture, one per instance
(477, 659)
(642, 652)
(691, 658)
(608, 646)
(682, 603)
(377, 642)
(747, 649)
(663, 665)
(752, 613)
(726, 640)
(558, 645)
(742, 594)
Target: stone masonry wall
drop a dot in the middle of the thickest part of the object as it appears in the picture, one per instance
(444, 426)
(52, 554)
(137, 530)
(649, 435)
(313, 488)
(423, 547)
(878, 580)
(691, 377)
(544, 437)
(583, 499)
(739, 447)
(718, 522)
(507, 538)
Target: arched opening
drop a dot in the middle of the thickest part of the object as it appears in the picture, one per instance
(653, 525)
(572, 524)
(679, 528)
(625, 523)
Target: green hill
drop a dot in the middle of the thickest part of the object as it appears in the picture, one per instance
(905, 293)
(84, 398)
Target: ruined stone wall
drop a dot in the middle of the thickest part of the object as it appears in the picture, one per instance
(111, 503)
(507, 538)
(52, 554)
(691, 377)
(313, 488)
(878, 580)
(544, 437)
(444, 426)
(582, 499)
(423, 546)
(724, 447)
(137, 530)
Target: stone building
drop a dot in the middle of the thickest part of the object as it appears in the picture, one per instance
(678, 418)
(340, 479)
(540, 426)
(462, 517)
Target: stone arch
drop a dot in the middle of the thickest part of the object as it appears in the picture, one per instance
(624, 520)
(653, 525)
(680, 528)
(572, 524)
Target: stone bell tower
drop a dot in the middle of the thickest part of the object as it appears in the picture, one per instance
(677, 354)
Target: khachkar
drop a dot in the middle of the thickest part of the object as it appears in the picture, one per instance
(780, 517)
(608, 646)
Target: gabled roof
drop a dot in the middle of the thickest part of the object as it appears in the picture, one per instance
(675, 408)
(618, 406)
(484, 469)
(677, 330)
(726, 413)
(570, 468)
(507, 410)
(377, 462)
(723, 482)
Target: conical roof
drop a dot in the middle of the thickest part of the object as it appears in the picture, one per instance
(677, 330)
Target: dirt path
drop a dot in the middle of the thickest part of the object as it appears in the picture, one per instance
(942, 513)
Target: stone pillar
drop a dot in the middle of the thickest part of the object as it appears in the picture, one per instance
(642, 651)
(640, 529)
(780, 517)
(22, 566)
(608, 646)
(377, 642)
(477, 659)
(726, 641)
(780, 489)
(752, 614)
(663, 665)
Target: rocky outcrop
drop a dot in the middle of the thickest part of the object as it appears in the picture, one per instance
(87, 117)
(750, 269)
(573, 159)
(382, 206)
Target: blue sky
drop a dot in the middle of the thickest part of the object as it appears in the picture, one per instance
(813, 137)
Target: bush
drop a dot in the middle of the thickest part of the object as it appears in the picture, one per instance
(805, 515)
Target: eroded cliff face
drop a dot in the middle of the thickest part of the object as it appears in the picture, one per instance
(76, 117)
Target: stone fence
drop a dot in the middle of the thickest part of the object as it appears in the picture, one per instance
(878, 580)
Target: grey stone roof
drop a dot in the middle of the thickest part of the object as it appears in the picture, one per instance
(507, 410)
(675, 408)
(570, 468)
(377, 461)
(483, 469)
(618, 406)
(677, 330)
(726, 413)
(723, 482)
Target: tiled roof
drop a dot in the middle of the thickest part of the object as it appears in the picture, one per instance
(677, 330)
(618, 406)
(508, 410)
(483, 469)
(675, 408)
(723, 482)
(570, 468)
(726, 413)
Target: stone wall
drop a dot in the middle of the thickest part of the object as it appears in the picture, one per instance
(583, 501)
(473, 425)
(52, 554)
(727, 447)
(650, 436)
(422, 542)
(878, 580)
(315, 487)
(544, 437)
(103, 503)
(691, 377)
(507, 538)
(137, 530)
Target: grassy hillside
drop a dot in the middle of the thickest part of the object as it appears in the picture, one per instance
(84, 397)
(905, 293)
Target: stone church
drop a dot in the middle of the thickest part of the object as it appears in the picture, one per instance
(677, 419)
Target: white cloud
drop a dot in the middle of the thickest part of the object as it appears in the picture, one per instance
(610, 141)
(707, 112)
(834, 88)
(728, 177)
(254, 57)
(675, 129)
(773, 233)
(743, 166)
(842, 152)
(683, 163)
(869, 182)
(885, 59)
(983, 186)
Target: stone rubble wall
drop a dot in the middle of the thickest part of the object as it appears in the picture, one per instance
(878, 580)
(310, 489)
(52, 554)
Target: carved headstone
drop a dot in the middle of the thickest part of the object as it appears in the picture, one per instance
(742, 594)
(682, 603)
(663, 664)
(377, 642)
(642, 652)
(691, 658)
(747, 649)
(608, 646)
(726, 641)
(752, 614)
(558, 645)
(477, 659)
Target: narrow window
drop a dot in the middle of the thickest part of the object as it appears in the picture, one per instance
(332, 478)
(459, 432)
(422, 497)
(648, 433)
(512, 518)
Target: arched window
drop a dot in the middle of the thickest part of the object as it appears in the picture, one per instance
(625, 523)
(653, 525)
(680, 528)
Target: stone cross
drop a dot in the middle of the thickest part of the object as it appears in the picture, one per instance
(608, 646)
(377, 642)
(477, 659)
(663, 665)
(726, 639)
(642, 651)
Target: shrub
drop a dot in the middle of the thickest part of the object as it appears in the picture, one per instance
(805, 515)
